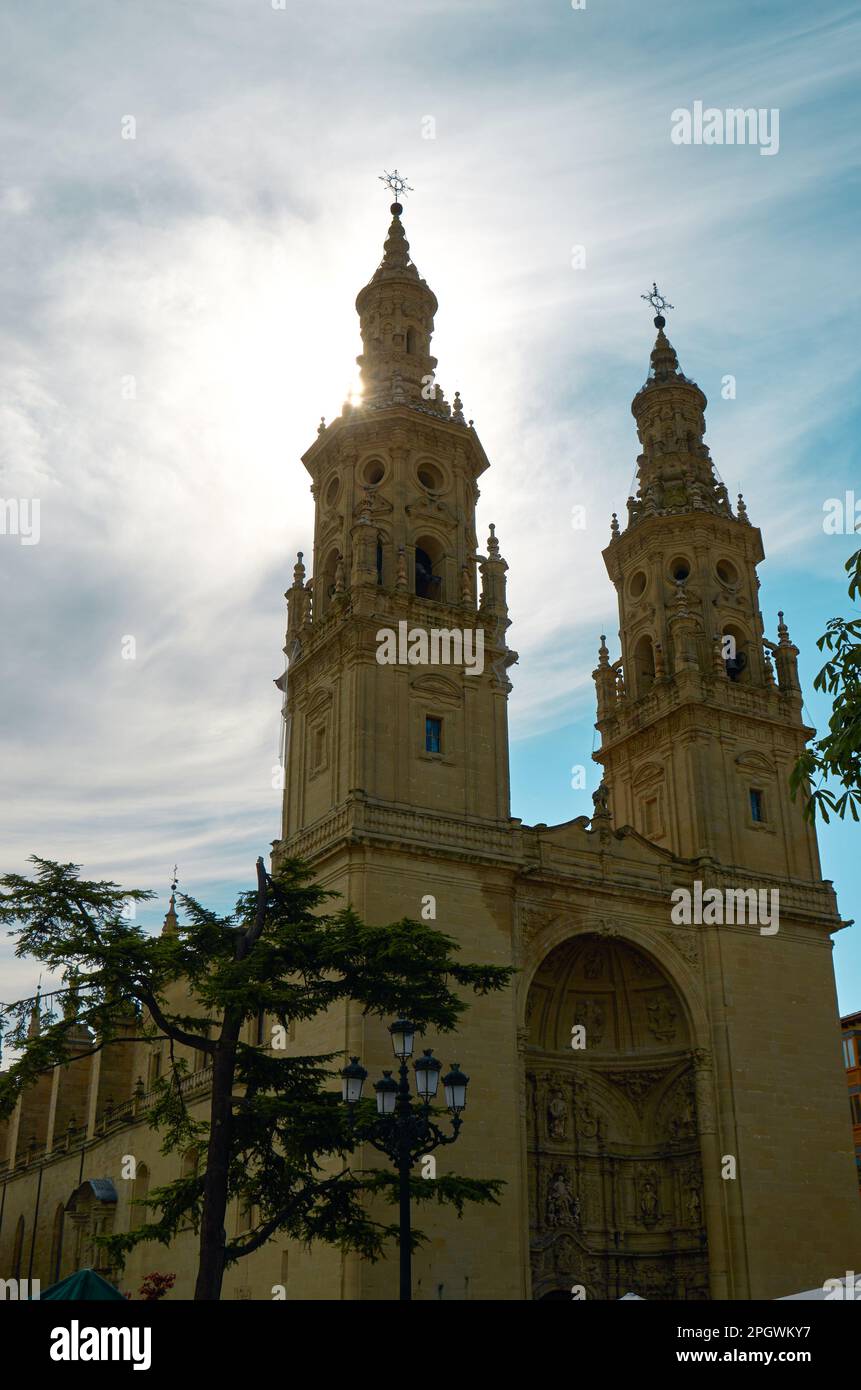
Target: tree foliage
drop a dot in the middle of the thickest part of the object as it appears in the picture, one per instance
(837, 755)
(276, 1138)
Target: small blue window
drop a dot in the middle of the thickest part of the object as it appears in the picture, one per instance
(433, 735)
(757, 810)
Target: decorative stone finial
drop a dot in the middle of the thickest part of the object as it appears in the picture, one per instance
(35, 1025)
(786, 657)
(769, 668)
(322, 425)
(741, 510)
(492, 543)
(457, 409)
(614, 526)
(298, 572)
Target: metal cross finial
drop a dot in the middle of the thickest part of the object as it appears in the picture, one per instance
(658, 303)
(396, 182)
(173, 884)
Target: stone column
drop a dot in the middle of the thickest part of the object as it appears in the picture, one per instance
(713, 1206)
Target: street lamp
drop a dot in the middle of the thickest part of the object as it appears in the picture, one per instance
(387, 1094)
(352, 1080)
(400, 1131)
(455, 1085)
(427, 1070)
(403, 1035)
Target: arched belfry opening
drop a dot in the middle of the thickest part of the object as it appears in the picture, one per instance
(613, 1155)
(734, 651)
(429, 560)
(644, 665)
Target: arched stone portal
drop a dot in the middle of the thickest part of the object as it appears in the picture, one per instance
(615, 1174)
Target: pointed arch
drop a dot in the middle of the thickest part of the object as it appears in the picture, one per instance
(56, 1263)
(139, 1213)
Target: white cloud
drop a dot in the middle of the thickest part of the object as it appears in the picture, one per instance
(215, 260)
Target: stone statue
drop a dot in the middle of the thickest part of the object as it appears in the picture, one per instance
(661, 1019)
(589, 1014)
(557, 1116)
(695, 1208)
(563, 1208)
(593, 963)
(649, 1201)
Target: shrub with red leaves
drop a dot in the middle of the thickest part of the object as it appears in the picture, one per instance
(156, 1286)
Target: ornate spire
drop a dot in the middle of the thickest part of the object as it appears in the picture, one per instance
(170, 926)
(675, 472)
(664, 363)
(396, 252)
(396, 312)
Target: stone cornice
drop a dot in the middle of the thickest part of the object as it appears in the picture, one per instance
(595, 865)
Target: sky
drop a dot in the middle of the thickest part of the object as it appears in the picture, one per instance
(189, 203)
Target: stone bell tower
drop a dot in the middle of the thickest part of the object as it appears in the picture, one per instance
(395, 484)
(396, 786)
(700, 718)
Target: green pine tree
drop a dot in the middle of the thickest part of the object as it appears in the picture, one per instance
(277, 1136)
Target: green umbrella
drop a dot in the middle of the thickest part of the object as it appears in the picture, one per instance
(85, 1286)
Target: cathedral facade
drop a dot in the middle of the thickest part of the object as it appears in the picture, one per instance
(661, 1088)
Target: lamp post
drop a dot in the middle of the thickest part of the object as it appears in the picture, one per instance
(402, 1133)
